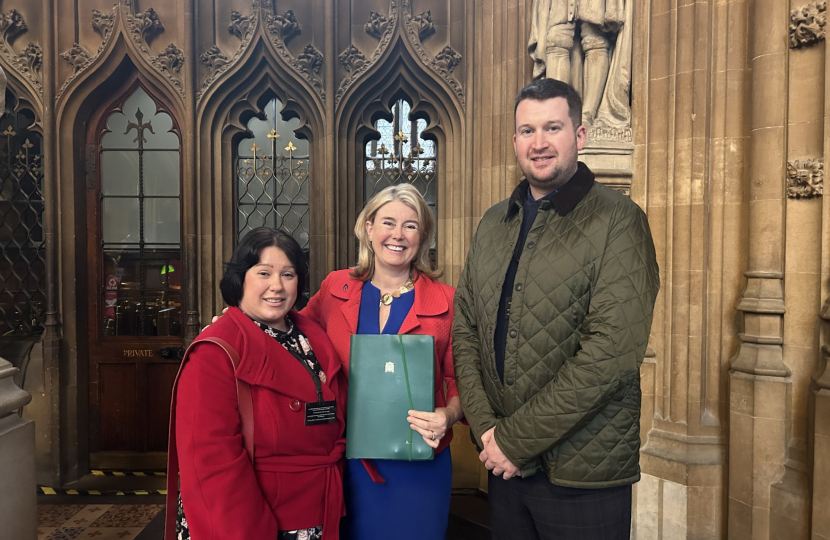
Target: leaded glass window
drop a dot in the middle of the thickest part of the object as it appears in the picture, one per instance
(272, 177)
(22, 247)
(401, 154)
(140, 221)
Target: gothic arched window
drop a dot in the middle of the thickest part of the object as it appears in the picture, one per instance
(272, 177)
(140, 227)
(22, 246)
(402, 154)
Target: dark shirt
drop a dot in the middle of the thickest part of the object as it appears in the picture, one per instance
(563, 200)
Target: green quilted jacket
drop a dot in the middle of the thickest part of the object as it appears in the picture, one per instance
(578, 329)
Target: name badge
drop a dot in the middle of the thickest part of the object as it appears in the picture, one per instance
(320, 413)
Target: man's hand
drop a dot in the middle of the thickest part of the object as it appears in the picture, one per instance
(494, 459)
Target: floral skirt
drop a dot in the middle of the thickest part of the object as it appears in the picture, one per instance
(183, 532)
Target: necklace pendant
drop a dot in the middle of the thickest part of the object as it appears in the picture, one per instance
(386, 298)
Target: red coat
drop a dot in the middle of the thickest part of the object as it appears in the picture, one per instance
(336, 307)
(298, 468)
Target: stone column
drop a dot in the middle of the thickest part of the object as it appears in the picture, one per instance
(51, 236)
(692, 133)
(819, 407)
(759, 379)
(790, 494)
(18, 496)
(820, 422)
(190, 201)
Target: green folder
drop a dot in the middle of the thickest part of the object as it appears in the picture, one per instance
(388, 376)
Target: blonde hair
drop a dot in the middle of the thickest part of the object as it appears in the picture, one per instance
(410, 196)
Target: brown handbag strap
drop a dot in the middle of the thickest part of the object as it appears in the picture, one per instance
(246, 417)
(243, 395)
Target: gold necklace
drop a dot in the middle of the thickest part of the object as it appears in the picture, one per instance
(386, 298)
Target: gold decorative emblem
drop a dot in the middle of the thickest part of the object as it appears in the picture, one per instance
(386, 298)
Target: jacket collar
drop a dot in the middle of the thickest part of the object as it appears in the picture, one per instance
(264, 362)
(564, 200)
(429, 300)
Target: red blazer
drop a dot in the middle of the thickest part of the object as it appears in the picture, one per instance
(297, 479)
(336, 307)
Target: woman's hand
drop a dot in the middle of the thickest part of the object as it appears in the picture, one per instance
(433, 426)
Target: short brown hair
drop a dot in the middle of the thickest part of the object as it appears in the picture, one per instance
(545, 89)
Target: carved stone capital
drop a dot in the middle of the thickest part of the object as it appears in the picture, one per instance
(285, 26)
(448, 59)
(102, 23)
(147, 25)
(381, 28)
(805, 179)
(33, 57)
(444, 63)
(143, 28)
(600, 133)
(424, 24)
(12, 25)
(311, 59)
(241, 25)
(378, 25)
(77, 57)
(28, 62)
(807, 25)
(352, 59)
(214, 58)
(170, 59)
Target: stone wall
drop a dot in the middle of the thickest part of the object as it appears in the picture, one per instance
(729, 115)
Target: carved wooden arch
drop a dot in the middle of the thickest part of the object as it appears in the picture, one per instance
(75, 111)
(221, 123)
(117, 73)
(93, 109)
(263, 28)
(125, 89)
(116, 62)
(120, 40)
(399, 74)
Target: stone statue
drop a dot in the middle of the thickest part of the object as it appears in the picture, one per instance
(587, 43)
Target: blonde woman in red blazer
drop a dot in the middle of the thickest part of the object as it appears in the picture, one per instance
(294, 486)
(393, 290)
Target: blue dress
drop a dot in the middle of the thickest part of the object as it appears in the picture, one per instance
(414, 502)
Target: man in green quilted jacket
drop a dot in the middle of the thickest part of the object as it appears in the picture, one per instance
(552, 318)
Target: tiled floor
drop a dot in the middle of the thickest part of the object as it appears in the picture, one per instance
(94, 521)
(469, 519)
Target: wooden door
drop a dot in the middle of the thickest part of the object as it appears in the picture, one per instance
(134, 272)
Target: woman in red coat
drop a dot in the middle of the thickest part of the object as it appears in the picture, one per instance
(294, 487)
(393, 290)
